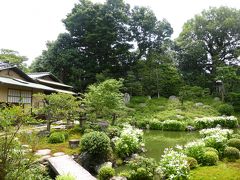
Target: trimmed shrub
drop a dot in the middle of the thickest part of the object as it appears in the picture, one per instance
(56, 137)
(192, 162)
(210, 122)
(142, 123)
(231, 153)
(211, 149)
(234, 143)
(236, 136)
(105, 173)
(173, 125)
(226, 109)
(95, 143)
(155, 124)
(210, 158)
(142, 168)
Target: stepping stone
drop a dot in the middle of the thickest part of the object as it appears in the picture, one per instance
(58, 154)
(43, 152)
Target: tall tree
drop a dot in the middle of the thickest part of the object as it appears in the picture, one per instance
(208, 41)
(13, 58)
(106, 39)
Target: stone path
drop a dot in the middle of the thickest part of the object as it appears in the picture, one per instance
(66, 165)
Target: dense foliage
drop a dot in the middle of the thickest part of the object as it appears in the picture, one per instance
(95, 143)
(106, 173)
(129, 141)
(104, 100)
(58, 106)
(173, 165)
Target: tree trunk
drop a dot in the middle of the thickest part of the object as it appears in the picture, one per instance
(114, 118)
(48, 123)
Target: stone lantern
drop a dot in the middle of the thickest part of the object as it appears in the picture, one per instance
(220, 89)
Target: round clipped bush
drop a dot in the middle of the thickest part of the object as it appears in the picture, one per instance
(236, 136)
(155, 124)
(105, 173)
(231, 153)
(226, 109)
(56, 137)
(234, 143)
(65, 177)
(211, 149)
(192, 162)
(95, 143)
(210, 158)
(173, 125)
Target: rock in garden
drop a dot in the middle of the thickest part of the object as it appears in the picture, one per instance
(58, 154)
(103, 124)
(118, 178)
(199, 104)
(172, 98)
(178, 116)
(108, 164)
(43, 152)
(126, 98)
(134, 156)
(216, 99)
(60, 127)
(142, 104)
(25, 146)
(190, 128)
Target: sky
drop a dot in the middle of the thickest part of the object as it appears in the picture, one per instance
(26, 25)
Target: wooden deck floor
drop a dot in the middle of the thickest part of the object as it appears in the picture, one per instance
(66, 165)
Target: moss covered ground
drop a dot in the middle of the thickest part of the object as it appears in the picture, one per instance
(223, 171)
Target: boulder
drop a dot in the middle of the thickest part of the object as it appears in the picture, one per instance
(190, 128)
(216, 99)
(199, 104)
(126, 98)
(118, 178)
(173, 98)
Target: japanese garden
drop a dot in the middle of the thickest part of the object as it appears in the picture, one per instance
(118, 98)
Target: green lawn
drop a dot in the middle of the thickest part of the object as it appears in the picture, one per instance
(59, 147)
(223, 171)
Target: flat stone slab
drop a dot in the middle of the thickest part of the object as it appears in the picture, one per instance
(66, 165)
(43, 152)
(58, 154)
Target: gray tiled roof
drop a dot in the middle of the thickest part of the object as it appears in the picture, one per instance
(4, 65)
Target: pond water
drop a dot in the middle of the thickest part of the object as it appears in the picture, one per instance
(157, 141)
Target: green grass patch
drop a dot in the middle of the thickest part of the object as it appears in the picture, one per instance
(60, 147)
(223, 171)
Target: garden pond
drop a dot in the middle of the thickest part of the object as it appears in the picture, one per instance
(157, 141)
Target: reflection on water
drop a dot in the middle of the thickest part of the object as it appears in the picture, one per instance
(157, 141)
